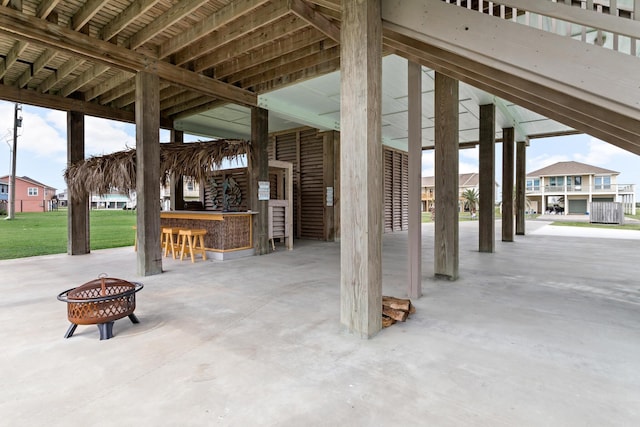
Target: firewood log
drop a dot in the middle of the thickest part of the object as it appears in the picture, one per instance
(395, 314)
(396, 303)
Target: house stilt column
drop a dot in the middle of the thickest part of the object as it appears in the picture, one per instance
(177, 182)
(259, 171)
(521, 164)
(415, 180)
(361, 168)
(487, 186)
(78, 241)
(149, 255)
(507, 184)
(446, 244)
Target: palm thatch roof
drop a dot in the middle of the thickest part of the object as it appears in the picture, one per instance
(101, 174)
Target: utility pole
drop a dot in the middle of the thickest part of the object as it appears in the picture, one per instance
(17, 122)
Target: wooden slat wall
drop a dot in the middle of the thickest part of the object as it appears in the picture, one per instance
(312, 184)
(239, 175)
(304, 148)
(396, 190)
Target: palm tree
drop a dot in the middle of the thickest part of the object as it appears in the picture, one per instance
(471, 198)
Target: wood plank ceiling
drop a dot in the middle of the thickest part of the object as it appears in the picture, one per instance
(83, 54)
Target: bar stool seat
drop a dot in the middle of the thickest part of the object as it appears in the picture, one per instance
(169, 243)
(194, 239)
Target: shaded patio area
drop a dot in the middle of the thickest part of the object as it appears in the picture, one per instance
(543, 332)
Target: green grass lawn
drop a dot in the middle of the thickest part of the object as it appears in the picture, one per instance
(44, 233)
(588, 224)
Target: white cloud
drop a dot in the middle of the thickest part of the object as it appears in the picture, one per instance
(544, 160)
(105, 136)
(600, 153)
(428, 168)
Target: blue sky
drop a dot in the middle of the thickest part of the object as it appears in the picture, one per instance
(42, 148)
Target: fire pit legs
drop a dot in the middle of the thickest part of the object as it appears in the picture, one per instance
(106, 329)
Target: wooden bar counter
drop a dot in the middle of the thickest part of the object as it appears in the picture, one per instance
(227, 232)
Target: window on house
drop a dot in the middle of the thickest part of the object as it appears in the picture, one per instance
(32, 191)
(533, 184)
(603, 182)
(190, 186)
(556, 181)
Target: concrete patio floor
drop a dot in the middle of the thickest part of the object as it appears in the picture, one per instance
(546, 331)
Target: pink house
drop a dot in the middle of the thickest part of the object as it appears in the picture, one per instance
(31, 195)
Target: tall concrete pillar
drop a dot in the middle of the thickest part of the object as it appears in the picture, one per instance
(78, 236)
(487, 187)
(447, 198)
(507, 184)
(361, 168)
(259, 171)
(149, 261)
(415, 180)
(521, 176)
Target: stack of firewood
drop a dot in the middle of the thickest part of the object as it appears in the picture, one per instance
(395, 310)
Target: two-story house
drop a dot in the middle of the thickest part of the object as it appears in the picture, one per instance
(466, 181)
(31, 195)
(569, 187)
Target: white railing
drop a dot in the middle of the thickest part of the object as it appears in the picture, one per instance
(604, 188)
(612, 24)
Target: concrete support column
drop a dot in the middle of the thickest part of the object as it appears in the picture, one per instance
(521, 176)
(361, 168)
(507, 184)
(447, 198)
(415, 180)
(148, 173)
(78, 236)
(259, 171)
(177, 181)
(487, 186)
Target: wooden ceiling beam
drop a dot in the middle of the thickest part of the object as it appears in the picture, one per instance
(178, 99)
(224, 16)
(35, 30)
(46, 7)
(251, 41)
(130, 14)
(115, 81)
(274, 49)
(117, 92)
(63, 71)
(167, 19)
(235, 30)
(87, 12)
(84, 78)
(286, 64)
(198, 110)
(303, 10)
(193, 103)
(308, 62)
(298, 76)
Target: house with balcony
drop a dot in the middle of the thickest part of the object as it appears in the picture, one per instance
(569, 188)
(466, 181)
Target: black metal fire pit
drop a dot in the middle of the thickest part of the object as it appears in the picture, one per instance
(100, 302)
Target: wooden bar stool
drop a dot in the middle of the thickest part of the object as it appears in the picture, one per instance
(169, 243)
(195, 240)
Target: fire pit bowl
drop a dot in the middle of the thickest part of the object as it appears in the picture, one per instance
(100, 302)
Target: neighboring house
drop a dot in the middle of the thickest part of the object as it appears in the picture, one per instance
(4, 190)
(115, 199)
(569, 188)
(31, 195)
(466, 181)
(190, 192)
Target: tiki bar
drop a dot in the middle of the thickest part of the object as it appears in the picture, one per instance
(219, 221)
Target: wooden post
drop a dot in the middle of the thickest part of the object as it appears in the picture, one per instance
(415, 180)
(361, 168)
(487, 187)
(447, 196)
(177, 182)
(148, 173)
(78, 240)
(336, 186)
(327, 183)
(521, 161)
(507, 184)
(259, 171)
